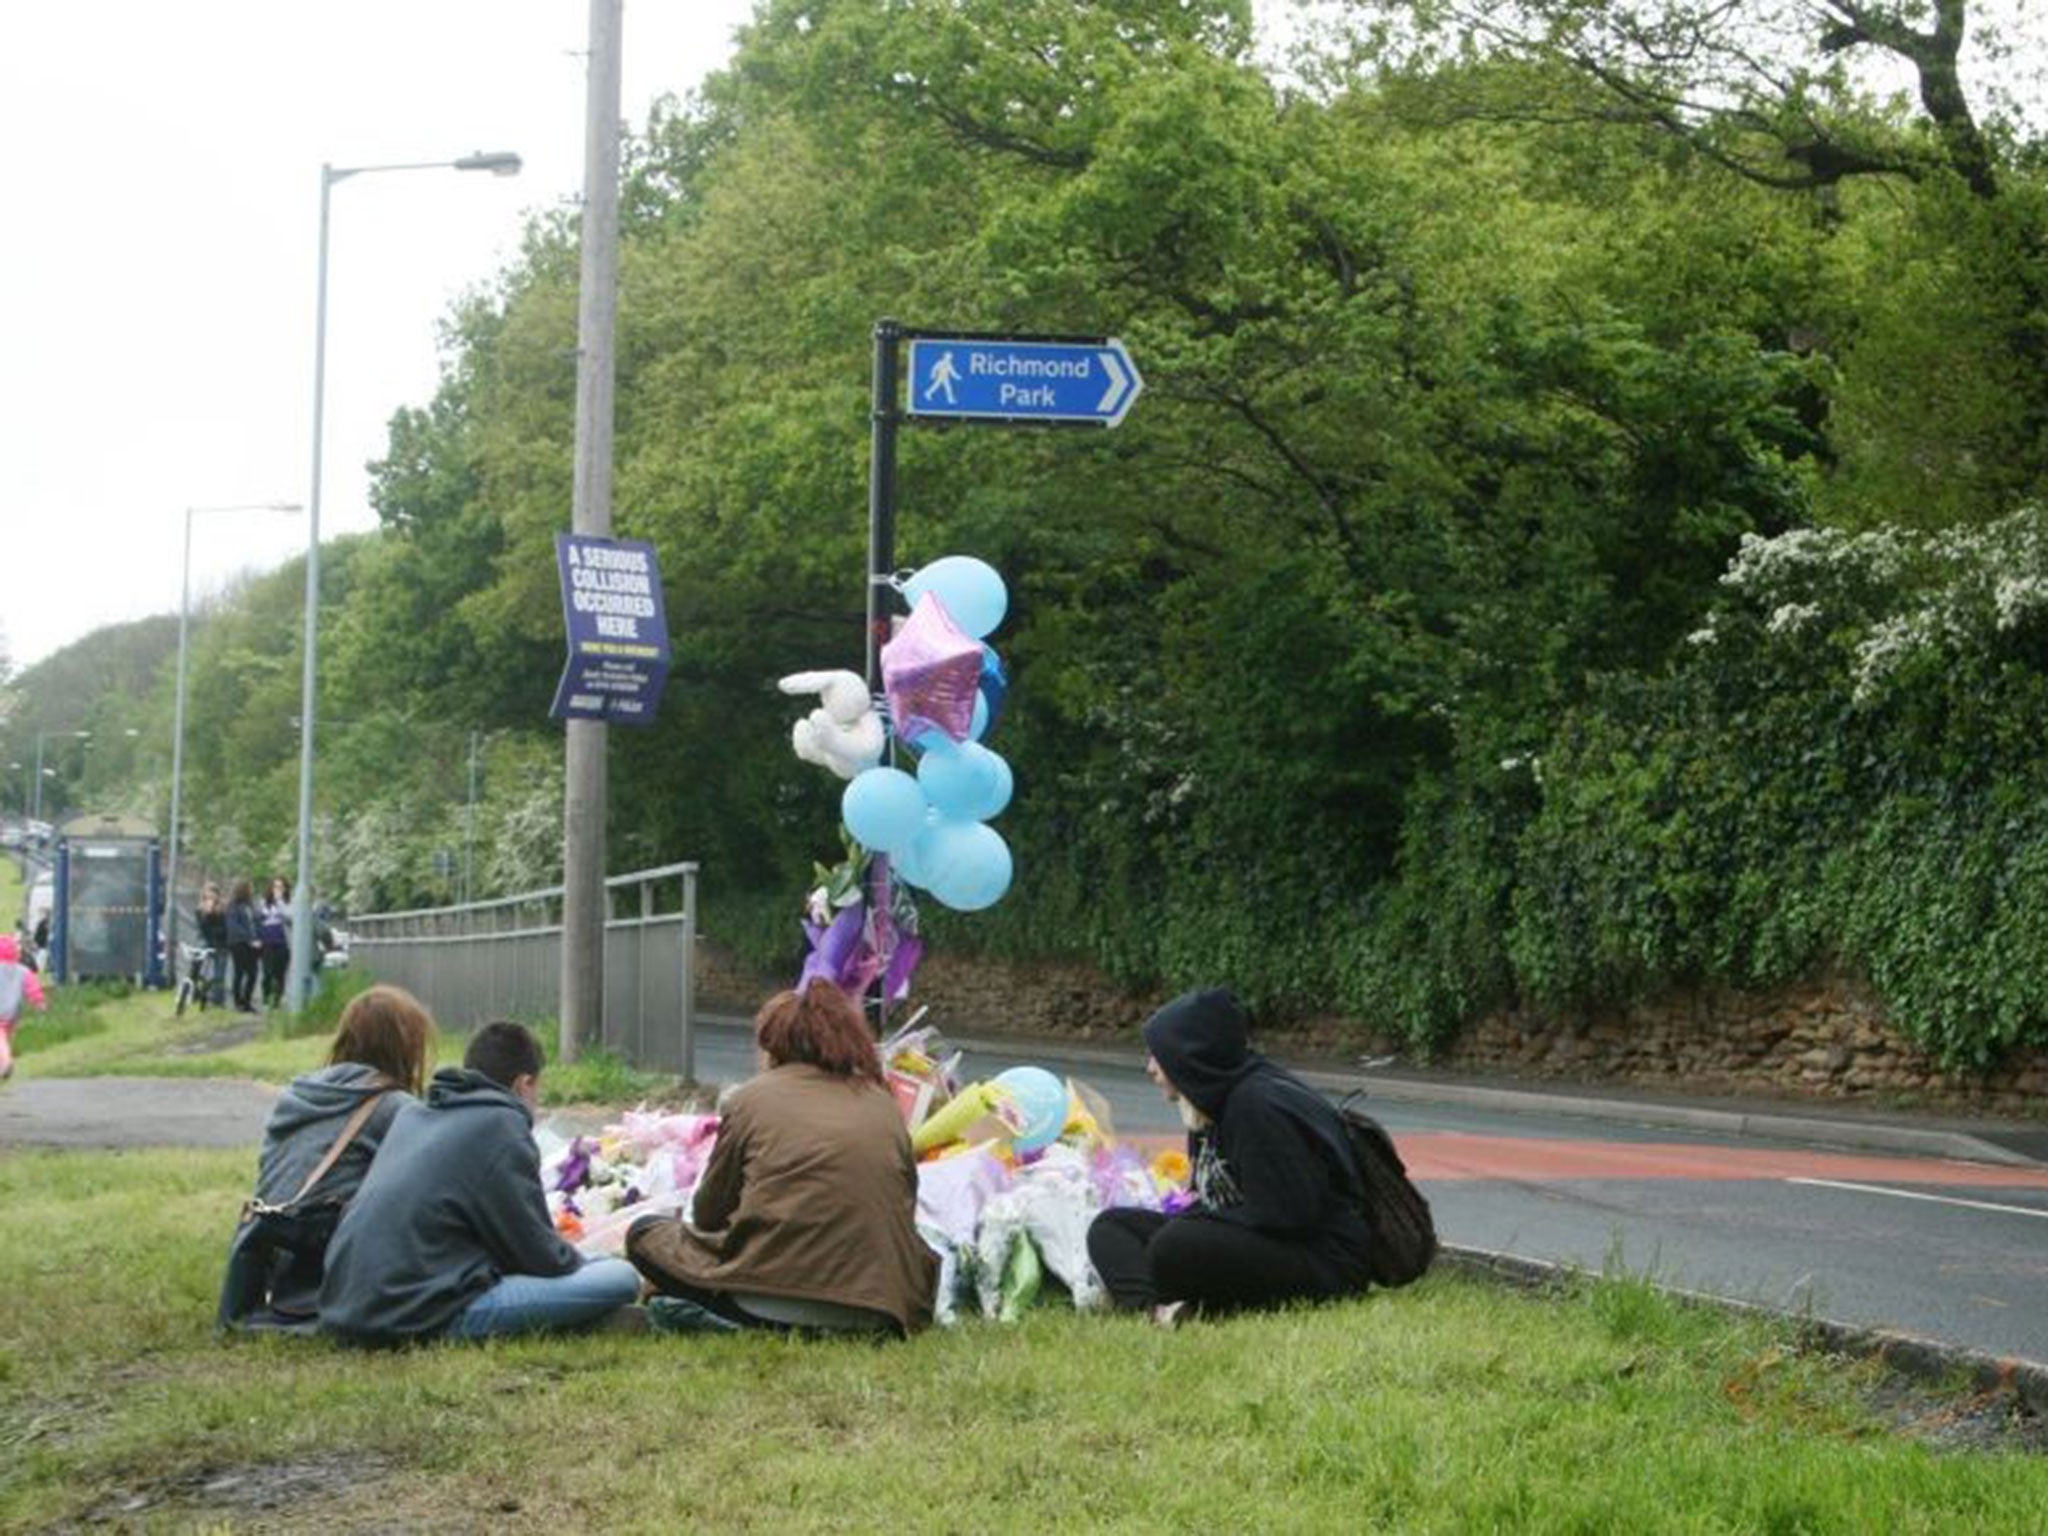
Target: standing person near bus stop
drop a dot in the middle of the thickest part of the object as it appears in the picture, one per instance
(244, 945)
(274, 933)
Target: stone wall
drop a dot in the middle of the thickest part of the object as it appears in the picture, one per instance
(967, 996)
(1822, 1039)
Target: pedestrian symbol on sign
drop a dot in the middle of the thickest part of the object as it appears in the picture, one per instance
(942, 376)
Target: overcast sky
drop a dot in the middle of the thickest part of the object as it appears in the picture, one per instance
(162, 171)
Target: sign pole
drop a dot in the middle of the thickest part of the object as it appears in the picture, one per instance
(881, 565)
(583, 811)
(882, 493)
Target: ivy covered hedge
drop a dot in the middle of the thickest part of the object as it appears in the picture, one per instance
(1843, 765)
(1846, 766)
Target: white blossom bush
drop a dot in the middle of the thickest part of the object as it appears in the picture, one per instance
(519, 830)
(1843, 766)
(1893, 600)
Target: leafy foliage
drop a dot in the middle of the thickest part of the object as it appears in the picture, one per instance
(1354, 667)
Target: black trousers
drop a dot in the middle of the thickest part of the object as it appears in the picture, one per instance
(277, 959)
(1145, 1258)
(247, 957)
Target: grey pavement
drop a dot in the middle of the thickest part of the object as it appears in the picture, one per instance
(83, 1113)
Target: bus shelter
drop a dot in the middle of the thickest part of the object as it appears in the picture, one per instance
(109, 901)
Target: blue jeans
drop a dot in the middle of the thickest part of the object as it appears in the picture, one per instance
(549, 1303)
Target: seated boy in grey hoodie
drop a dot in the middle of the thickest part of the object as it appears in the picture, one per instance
(449, 1235)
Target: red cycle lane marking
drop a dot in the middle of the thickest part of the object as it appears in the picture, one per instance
(1459, 1155)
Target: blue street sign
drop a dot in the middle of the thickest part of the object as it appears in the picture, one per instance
(617, 631)
(1019, 380)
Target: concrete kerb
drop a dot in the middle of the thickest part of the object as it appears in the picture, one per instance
(1907, 1353)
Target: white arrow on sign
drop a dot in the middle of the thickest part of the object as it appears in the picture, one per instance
(1119, 382)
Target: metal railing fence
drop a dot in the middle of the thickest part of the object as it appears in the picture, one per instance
(501, 959)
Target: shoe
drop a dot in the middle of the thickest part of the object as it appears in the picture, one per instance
(672, 1314)
(1169, 1315)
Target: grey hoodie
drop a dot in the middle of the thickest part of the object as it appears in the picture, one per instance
(304, 1121)
(452, 1204)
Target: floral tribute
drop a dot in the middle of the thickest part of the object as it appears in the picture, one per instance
(1011, 1171)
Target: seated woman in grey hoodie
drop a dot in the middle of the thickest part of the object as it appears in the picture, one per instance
(380, 1048)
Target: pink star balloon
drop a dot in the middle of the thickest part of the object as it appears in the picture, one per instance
(931, 672)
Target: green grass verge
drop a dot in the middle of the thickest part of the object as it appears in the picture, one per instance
(94, 1031)
(1456, 1406)
(91, 1032)
(600, 1077)
(12, 892)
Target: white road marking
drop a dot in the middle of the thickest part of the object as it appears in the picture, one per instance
(1914, 1194)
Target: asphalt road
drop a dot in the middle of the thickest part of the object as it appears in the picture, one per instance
(1948, 1250)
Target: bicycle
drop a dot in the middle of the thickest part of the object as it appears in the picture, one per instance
(198, 978)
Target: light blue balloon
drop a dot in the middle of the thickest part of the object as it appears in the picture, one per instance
(884, 809)
(973, 593)
(907, 862)
(1006, 786)
(963, 781)
(978, 726)
(1042, 1099)
(966, 864)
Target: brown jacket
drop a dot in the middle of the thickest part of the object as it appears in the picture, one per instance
(812, 1193)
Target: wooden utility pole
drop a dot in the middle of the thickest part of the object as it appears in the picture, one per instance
(583, 810)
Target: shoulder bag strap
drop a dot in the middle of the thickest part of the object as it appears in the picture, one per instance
(355, 1123)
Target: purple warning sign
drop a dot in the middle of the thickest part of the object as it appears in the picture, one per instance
(618, 633)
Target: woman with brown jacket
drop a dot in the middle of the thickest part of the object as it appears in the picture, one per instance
(806, 1215)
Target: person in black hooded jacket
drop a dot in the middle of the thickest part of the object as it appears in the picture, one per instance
(1277, 1216)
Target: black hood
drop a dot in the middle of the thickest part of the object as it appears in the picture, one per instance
(1201, 1042)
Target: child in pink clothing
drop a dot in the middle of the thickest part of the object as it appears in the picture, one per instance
(19, 987)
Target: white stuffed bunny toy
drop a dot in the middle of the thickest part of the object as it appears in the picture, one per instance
(845, 732)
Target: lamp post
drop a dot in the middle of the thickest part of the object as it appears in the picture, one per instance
(178, 710)
(41, 737)
(299, 984)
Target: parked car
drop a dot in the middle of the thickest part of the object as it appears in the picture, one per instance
(333, 941)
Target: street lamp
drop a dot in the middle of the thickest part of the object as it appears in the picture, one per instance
(178, 709)
(299, 986)
(41, 772)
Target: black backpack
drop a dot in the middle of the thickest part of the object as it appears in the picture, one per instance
(1403, 1232)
